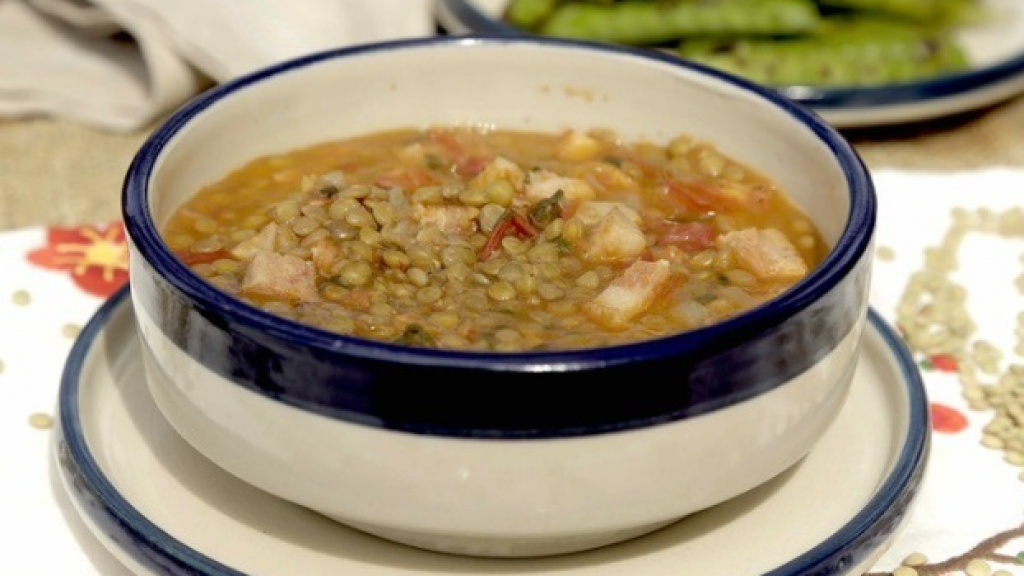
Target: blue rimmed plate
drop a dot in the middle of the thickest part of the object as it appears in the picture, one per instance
(161, 508)
(995, 50)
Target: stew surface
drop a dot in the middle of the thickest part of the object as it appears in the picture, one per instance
(498, 240)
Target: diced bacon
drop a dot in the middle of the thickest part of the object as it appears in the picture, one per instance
(630, 294)
(500, 169)
(447, 219)
(325, 253)
(766, 253)
(280, 276)
(745, 196)
(615, 237)
(540, 184)
(699, 196)
(576, 146)
(263, 241)
(593, 211)
(605, 177)
(414, 153)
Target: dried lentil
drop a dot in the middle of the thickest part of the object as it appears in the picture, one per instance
(915, 559)
(71, 331)
(977, 567)
(933, 316)
(40, 421)
(21, 298)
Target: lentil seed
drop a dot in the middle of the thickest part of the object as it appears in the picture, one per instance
(21, 298)
(501, 291)
(978, 567)
(915, 559)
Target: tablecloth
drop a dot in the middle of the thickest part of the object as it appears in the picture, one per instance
(953, 238)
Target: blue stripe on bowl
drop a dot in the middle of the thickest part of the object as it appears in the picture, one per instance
(548, 394)
(154, 549)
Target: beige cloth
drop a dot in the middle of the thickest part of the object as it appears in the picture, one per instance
(120, 64)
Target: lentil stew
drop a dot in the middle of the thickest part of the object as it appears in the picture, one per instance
(498, 240)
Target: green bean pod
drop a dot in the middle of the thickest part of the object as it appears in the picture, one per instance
(643, 22)
(853, 53)
(528, 14)
(934, 11)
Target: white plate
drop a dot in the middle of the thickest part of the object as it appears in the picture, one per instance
(161, 508)
(995, 51)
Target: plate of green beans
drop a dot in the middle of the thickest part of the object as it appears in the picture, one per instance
(857, 63)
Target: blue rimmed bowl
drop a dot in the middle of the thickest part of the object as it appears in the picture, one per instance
(499, 454)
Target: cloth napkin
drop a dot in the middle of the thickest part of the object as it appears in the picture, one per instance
(969, 515)
(121, 64)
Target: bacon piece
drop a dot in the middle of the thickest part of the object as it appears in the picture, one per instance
(455, 219)
(280, 276)
(541, 184)
(766, 253)
(263, 241)
(500, 169)
(630, 294)
(614, 238)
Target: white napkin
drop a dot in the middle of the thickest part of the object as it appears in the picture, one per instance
(120, 64)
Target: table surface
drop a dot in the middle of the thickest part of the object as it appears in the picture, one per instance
(56, 172)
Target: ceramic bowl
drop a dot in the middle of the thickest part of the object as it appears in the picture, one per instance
(499, 454)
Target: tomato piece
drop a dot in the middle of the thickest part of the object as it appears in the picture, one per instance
(407, 178)
(690, 236)
(471, 165)
(693, 196)
(194, 258)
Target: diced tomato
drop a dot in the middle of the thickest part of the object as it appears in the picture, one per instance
(194, 258)
(407, 178)
(471, 165)
(447, 141)
(511, 222)
(693, 196)
(690, 236)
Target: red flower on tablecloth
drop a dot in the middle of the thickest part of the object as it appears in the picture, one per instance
(96, 256)
(947, 419)
(941, 362)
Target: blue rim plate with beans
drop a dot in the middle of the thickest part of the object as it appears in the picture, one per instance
(858, 63)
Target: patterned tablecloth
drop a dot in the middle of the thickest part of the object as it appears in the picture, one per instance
(949, 272)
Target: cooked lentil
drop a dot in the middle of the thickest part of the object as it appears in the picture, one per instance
(498, 240)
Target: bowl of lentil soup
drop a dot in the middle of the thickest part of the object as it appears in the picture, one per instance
(499, 296)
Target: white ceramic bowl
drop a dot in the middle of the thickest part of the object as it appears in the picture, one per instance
(499, 454)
